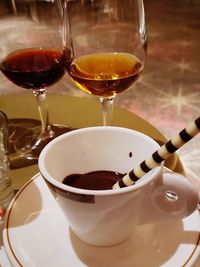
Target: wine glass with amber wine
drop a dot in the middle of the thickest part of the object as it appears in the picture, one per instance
(34, 55)
(109, 43)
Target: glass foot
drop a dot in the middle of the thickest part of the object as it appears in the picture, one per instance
(26, 143)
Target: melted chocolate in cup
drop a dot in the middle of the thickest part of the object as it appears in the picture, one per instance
(97, 180)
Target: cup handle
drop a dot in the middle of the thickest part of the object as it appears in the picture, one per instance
(173, 197)
(177, 196)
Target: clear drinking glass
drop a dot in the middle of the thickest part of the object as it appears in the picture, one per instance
(34, 56)
(6, 188)
(109, 43)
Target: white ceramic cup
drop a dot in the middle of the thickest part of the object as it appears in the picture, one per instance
(107, 217)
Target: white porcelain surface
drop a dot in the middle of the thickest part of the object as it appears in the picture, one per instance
(107, 217)
(37, 234)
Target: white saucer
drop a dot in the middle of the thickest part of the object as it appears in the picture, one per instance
(36, 234)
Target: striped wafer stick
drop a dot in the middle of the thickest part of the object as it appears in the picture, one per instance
(160, 155)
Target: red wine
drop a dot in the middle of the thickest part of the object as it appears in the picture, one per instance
(97, 180)
(105, 74)
(35, 68)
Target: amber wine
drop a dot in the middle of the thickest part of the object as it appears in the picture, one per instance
(105, 74)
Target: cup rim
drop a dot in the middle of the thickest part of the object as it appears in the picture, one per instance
(44, 173)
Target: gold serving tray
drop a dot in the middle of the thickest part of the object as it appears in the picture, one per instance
(75, 112)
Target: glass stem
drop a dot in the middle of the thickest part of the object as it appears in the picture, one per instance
(107, 109)
(40, 96)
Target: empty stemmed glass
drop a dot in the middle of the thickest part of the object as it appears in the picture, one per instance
(109, 43)
(34, 55)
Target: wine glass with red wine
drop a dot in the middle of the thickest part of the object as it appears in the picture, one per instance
(109, 42)
(35, 54)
